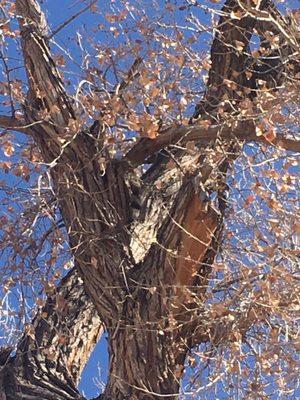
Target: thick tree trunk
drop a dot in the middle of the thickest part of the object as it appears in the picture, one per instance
(143, 363)
(145, 275)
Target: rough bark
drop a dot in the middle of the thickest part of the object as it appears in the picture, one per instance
(148, 292)
(55, 348)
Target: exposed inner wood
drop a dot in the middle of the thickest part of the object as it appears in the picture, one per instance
(196, 236)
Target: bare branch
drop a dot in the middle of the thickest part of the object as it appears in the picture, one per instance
(202, 135)
(56, 346)
(46, 90)
(64, 24)
(14, 124)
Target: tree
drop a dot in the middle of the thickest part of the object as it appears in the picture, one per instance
(179, 264)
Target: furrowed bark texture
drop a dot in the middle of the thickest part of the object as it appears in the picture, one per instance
(143, 273)
(55, 348)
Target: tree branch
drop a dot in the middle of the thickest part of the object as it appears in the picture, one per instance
(180, 136)
(64, 24)
(229, 65)
(47, 98)
(56, 346)
(94, 205)
(14, 124)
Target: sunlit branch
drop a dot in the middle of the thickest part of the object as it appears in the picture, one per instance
(244, 131)
(14, 124)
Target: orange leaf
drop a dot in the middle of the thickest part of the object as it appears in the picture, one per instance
(8, 149)
(270, 135)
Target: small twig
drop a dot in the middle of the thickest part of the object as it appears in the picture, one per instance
(64, 24)
(12, 123)
(132, 73)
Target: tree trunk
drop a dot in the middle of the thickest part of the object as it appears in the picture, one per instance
(143, 363)
(145, 275)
